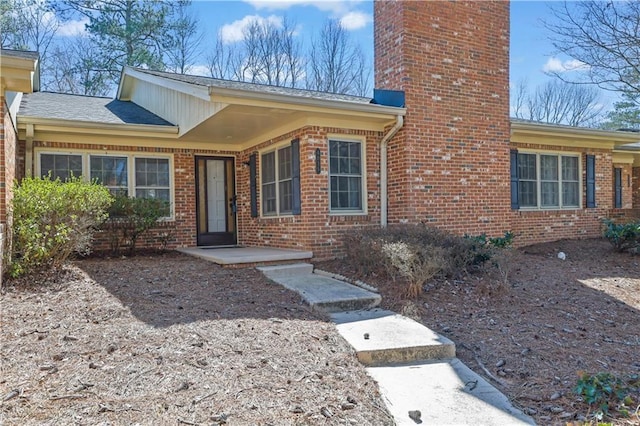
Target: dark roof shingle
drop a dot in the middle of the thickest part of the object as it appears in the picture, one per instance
(24, 54)
(65, 106)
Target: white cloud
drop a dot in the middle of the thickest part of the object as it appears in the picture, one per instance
(355, 20)
(343, 10)
(555, 65)
(234, 32)
(202, 70)
(72, 28)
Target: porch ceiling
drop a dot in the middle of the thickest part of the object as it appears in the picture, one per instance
(242, 126)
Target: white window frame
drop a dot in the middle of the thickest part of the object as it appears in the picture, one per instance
(131, 177)
(578, 156)
(275, 150)
(363, 175)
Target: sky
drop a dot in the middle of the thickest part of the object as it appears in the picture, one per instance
(531, 53)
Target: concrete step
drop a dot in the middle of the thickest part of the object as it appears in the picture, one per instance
(382, 337)
(445, 393)
(328, 294)
(284, 271)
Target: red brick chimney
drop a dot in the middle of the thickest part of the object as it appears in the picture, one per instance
(449, 165)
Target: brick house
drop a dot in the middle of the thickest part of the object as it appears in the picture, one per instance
(266, 166)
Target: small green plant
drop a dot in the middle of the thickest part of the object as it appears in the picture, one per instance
(53, 219)
(622, 236)
(131, 217)
(605, 391)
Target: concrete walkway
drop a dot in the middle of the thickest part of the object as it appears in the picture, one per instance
(419, 377)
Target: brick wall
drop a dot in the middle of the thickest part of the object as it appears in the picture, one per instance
(635, 187)
(315, 229)
(449, 165)
(183, 226)
(8, 140)
(533, 227)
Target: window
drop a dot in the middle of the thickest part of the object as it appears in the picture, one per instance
(144, 177)
(547, 181)
(277, 191)
(61, 166)
(345, 176)
(111, 172)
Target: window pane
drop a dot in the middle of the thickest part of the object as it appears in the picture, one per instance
(269, 198)
(60, 166)
(570, 168)
(570, 194)
(549, 167)
(549, 194)
(285, 196)
(152, 172)
(268, 167)
(110, 172)
(284, 163)
(527, 194)
(527, 166)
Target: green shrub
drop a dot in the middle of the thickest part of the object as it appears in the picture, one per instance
(131, 217)
(605, 391)
(622, 236)
(54, 219)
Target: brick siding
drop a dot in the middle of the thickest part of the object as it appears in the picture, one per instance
(449, 165)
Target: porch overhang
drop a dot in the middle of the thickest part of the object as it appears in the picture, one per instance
(19, 71)
(234, 116)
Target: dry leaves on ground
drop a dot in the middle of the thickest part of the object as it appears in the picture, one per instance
(172, 339)
(533, 336)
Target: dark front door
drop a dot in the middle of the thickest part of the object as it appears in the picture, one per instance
(215, 201)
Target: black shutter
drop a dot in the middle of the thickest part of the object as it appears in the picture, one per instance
(591, 181)
(296, 207)
(618, 188)
(253, 184)
(515, 203)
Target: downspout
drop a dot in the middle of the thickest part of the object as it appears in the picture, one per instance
(28, 155)
(384, 202)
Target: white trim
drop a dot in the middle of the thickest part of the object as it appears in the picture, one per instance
(273, 148)
(363, 174)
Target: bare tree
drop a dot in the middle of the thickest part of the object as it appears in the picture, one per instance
(559, 102)
(183, 39)
(219, 61)
(336, 64)
(603, 35)
(73, 69)
(268, 54)
(28, 25)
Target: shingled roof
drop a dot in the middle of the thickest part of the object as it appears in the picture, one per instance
(254, 87)
(64, 106)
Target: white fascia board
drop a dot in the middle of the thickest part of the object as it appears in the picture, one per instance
(615, 137)
(295, 102)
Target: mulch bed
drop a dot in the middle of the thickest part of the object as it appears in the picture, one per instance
(532, 334)
(171, 339)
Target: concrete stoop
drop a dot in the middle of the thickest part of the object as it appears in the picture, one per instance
(382, 337)
(319, 291)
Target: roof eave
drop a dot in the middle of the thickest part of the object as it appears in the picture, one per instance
(250, 97)
(543, 129)
(73, 126)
